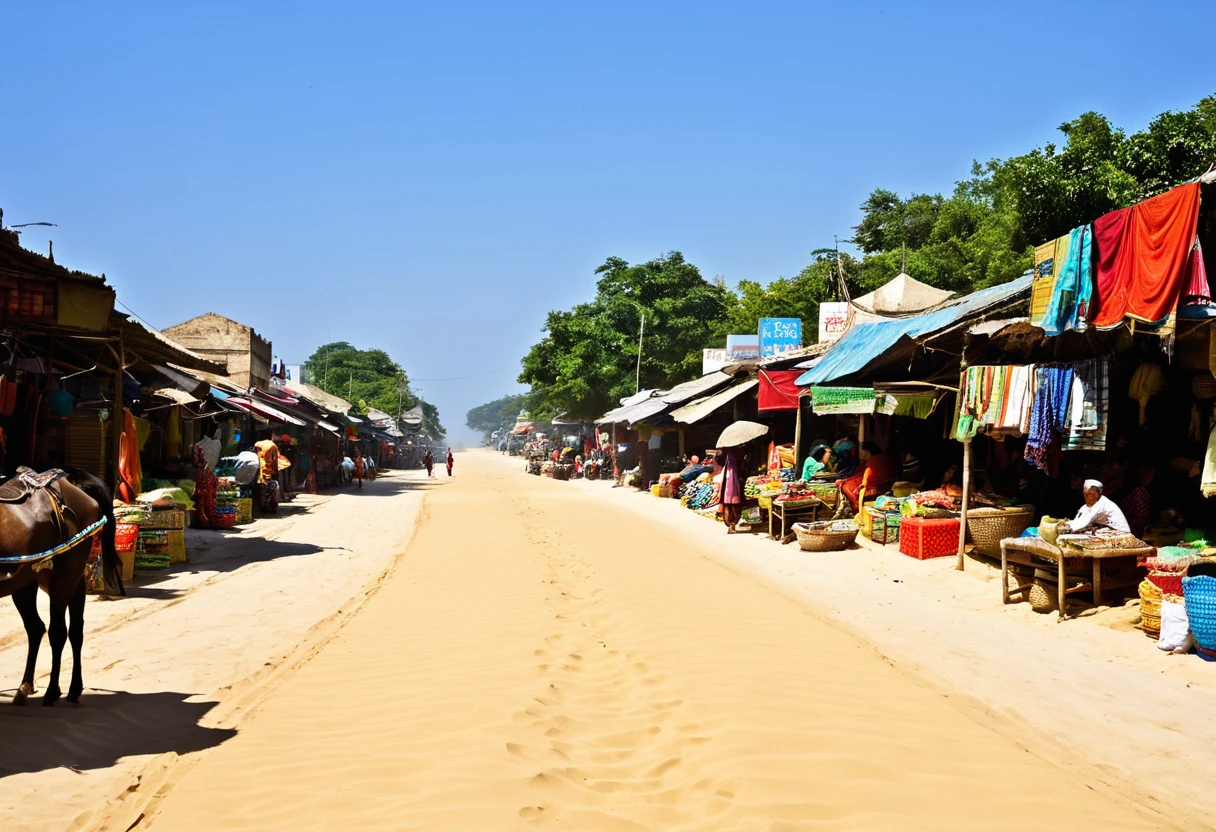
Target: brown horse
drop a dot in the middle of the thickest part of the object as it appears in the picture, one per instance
(31, 523)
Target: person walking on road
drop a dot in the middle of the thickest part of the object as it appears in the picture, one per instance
(451, 460)
(358, 460)
(429, 461)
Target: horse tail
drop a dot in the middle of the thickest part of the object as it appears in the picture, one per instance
(111, 564)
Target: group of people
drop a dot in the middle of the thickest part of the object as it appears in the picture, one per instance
(428, 461)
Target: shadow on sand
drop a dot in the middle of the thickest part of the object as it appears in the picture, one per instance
(106, 727)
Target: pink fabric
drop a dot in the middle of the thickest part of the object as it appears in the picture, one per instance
(1142, 256)
(1197, 289)
(732, 492)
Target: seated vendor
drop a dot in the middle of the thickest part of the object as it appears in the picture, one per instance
(694, 469)
(816, 463)
(883, 469)
(1099, 512)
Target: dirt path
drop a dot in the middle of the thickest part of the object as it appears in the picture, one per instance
(170, 671)
(542, 658)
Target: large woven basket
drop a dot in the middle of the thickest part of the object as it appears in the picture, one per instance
(1199, 594)
(989, 526)
(820, 537)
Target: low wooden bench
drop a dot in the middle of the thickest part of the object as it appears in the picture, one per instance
(1069, 579)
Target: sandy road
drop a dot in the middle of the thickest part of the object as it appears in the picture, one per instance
(542, 659)
(171, 670)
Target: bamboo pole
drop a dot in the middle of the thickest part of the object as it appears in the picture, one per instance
(798, 438)
(116, 417)
(962, 523)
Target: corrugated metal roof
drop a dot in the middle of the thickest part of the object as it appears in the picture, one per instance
(865, 342)
(699, 409)
(696, 388)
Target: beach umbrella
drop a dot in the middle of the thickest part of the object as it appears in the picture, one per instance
(740, 433)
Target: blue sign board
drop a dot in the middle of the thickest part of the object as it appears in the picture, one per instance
(779, 335)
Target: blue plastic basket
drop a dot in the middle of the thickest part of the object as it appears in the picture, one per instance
(1199, 594)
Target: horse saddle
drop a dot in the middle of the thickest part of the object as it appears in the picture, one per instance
(26, 482)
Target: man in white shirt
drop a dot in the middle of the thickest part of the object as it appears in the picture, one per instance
(1098, 512)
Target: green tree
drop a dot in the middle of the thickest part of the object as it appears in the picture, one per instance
(586, 360)
(495, 415)
(367, 379)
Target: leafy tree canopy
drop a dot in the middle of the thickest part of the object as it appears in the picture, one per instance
(587, 360)
(495, 415)
(982, 234)
(367, 379)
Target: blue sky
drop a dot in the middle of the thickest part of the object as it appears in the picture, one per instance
(432, 178)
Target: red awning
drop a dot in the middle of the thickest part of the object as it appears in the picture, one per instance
(778, 390)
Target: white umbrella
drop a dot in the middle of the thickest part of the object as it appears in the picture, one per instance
(740, 433)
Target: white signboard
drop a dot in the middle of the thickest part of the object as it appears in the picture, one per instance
(833, 321)
(713, 360)
(743, 347)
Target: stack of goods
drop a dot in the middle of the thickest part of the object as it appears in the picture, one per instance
(563, 471)
(227, 497)
(763, 486)
(152, 550)
(930, 504)
(548, 468)
(160, 519)
(700, 495)
(880, 522)
(796, 493)
(827, 492)
(1150, 608)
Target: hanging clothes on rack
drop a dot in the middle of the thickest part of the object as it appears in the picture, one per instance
(1049, 413)
(1087, 407)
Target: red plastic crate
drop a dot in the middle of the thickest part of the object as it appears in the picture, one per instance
(922, 538)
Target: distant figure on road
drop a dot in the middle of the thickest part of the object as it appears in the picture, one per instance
(429, 462)
(451, 459)
(358, 460)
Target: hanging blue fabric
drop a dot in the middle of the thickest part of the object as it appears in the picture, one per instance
(1074, 287)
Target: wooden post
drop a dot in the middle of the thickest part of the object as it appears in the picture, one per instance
(962, 523)
(798, 439)
(116, 417)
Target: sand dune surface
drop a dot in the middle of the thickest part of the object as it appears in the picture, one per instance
(541, 659)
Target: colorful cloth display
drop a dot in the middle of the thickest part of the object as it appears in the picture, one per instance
(842, 400)
(1049, 414)
(1073, 289)
(1142, 257)
(1087, 407)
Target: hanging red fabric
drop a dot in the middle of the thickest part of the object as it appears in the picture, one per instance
(777, 390)
(1142, 256)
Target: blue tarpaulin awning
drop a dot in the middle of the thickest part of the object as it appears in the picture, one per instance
(867, 341)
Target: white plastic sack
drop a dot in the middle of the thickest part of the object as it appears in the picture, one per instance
(1175, 627)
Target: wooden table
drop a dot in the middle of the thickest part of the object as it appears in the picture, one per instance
(1013, 552)
(783, 510)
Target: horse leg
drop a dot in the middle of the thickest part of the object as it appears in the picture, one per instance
(26, 601)
(76, 639)
(58, 633)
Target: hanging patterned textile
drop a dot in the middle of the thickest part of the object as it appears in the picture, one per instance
(1073, 289)
(1049, 413)
(825, 400)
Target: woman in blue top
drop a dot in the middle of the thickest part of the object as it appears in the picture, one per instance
(815, 463)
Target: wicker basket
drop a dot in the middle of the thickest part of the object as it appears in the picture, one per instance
(1042, 596)
(1150, 608)
(820, 537)
(1199, 593)
(989, 526)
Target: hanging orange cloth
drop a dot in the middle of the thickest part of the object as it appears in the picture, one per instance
(1142, 256)
(130, 473)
